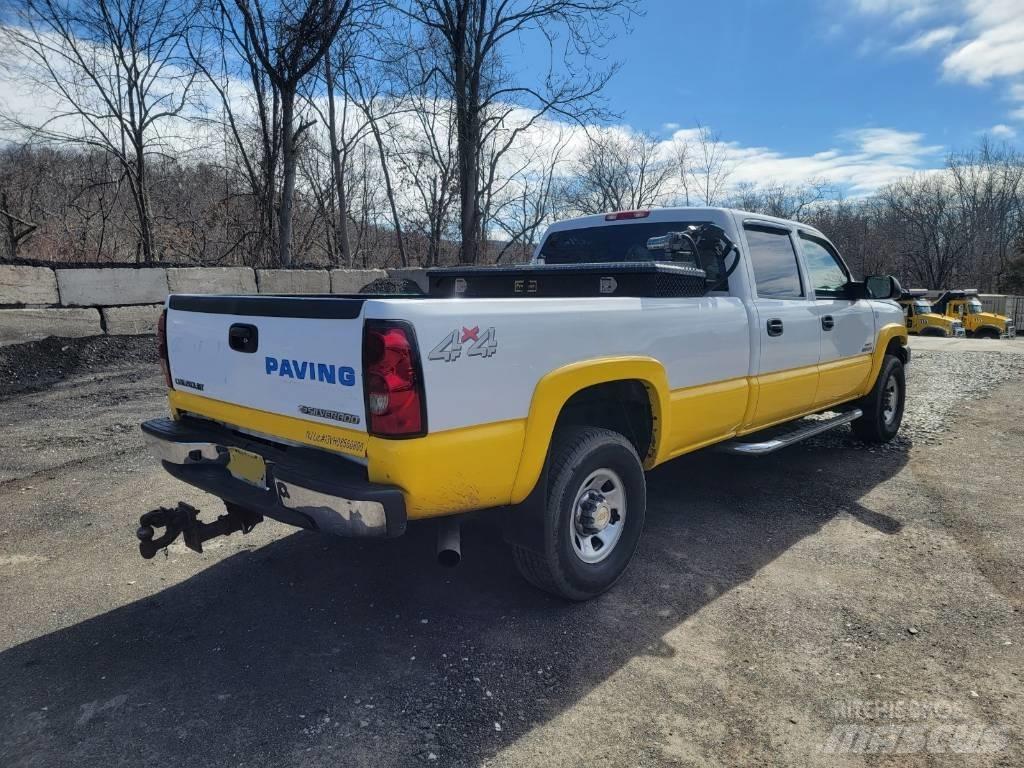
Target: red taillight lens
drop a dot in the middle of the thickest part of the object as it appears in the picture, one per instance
(392, 381)
(622, 215)
(161, 348)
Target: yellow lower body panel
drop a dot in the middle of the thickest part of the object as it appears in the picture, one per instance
(442, 473)
(457, 470)
(781, 396)
(841, 379)
(705, 414)
(338, 439)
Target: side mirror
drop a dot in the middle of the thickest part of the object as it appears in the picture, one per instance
(882, 287)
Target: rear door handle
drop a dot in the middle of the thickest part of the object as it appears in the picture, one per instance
(775, 327)
(828, 323)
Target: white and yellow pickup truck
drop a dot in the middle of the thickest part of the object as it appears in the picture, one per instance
(543, 390)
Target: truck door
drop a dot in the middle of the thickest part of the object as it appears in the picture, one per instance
(788, 329)
(847, 325)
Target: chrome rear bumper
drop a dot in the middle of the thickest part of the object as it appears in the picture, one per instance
(304, 487)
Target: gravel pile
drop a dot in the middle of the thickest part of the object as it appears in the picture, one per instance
(39, 364)
(938, 385)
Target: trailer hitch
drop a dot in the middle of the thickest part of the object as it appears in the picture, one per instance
(183, 520)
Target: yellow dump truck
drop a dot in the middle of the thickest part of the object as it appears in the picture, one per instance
(925, 321)
(963, 304)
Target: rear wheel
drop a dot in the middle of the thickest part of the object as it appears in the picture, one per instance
(883, 406)
(593, 517)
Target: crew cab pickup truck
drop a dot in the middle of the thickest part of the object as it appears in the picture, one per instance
(543, 391)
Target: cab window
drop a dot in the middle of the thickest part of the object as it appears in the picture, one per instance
(827, 274)
(774, 260)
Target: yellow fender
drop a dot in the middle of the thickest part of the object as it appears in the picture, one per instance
(553, 392)
(885, 334)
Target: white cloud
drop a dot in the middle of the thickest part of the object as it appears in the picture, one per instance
(887, 141)
(1002, 131)
(997, 48)
(983, 40)
(927, 40)
(900, 11)
(1018, 114)
(867, 159)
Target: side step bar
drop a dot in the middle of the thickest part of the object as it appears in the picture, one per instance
(785, 440)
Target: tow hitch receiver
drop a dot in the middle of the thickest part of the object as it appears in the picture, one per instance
(184, 520)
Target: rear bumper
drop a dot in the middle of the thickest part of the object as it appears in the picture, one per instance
(304, 487)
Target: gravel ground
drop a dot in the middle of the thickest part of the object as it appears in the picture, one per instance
(941, 384)
(772, 601)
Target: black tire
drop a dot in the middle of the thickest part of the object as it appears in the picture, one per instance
(578, 454)
(881, 420)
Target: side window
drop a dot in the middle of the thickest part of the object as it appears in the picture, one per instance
(823, 267)
(774, 262)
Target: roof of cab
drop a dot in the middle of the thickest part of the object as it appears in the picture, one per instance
(713, 214)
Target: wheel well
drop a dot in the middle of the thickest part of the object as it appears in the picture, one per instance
(894, 347)
(622, 406)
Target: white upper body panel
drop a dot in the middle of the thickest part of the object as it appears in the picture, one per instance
(698, 341)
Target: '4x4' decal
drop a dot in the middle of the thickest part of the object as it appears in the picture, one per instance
(483, 344)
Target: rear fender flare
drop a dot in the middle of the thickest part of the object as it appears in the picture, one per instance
(555, 389)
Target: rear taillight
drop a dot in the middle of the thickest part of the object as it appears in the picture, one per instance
(623, 215)
(161, 348)
(393, 380)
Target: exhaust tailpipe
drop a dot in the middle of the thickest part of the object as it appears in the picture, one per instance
(449, 542)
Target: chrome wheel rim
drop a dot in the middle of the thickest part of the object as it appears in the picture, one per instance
(890, 400)
(598, 516)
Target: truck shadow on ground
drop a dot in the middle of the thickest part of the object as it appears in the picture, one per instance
(318, 651)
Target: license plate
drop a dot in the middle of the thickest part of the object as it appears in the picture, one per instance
(247, 467)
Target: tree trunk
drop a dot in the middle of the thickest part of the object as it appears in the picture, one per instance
(390, 191)
(344, 248)
(467, 120)
(289, 164)
(142, 201)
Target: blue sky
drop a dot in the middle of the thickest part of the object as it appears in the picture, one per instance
(855, 93)
(886, 85)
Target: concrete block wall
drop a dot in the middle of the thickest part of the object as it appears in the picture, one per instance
(292, 281)
(108, 287)
(36, 302)
(27, 285)
(211, 280)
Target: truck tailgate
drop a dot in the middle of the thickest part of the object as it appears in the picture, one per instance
(291, 356)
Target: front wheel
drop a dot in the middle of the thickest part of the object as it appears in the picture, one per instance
(882, 407)
(593, 517)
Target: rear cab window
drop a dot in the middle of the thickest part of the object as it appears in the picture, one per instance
(622, 243)
(773, 257)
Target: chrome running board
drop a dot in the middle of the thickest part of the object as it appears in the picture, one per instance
(789, 438)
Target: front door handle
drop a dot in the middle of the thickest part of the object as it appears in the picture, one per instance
(828, 323)
(775, 327)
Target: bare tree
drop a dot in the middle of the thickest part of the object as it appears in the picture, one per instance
(117, 75)
(787, 201)
(619, 171)
(289, 41)
(469, 36)
(536, 195)
(704, 166)
(989, 186)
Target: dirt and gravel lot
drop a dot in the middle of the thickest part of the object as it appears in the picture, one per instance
(815, 607)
